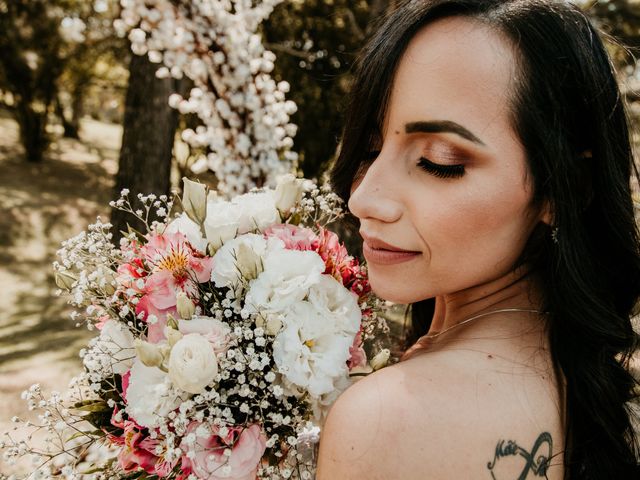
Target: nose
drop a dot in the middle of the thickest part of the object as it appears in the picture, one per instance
(375, 196)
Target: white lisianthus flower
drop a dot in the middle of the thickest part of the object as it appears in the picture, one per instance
(192, 363)
(286, 279)
(116, 342)
(312, 349)
(258, 211)
(216, 332)
(225, 271)
(320, 406)
(222, 222)
(334, 301)
(150, 395)
(190, 229)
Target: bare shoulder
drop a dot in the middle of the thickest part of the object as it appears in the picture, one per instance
(436, 419)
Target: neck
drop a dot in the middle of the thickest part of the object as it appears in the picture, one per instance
(517, 289)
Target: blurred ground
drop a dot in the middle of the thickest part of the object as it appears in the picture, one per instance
(40, 206)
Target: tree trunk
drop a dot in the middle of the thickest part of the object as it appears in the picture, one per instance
(77, 108)
(32, 130)
(70, 130)
(149, 130)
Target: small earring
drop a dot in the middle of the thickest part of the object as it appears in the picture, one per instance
(554, 235)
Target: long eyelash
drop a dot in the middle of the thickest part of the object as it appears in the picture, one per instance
(441, 171)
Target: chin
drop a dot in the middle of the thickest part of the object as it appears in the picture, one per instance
(396, 292)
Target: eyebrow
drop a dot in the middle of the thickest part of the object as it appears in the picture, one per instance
(442, 126)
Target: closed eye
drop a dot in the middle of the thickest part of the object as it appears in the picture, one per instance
(439, 170)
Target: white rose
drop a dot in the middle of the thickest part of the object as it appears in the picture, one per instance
(190, 229)
(311, 352)
(116, 342)
(216, 332)
(286, 279)
(192, 363)
(150, 395)
(258, 211)
(222, 222)
(225, 271)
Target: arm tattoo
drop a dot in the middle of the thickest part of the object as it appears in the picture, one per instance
(537, 461)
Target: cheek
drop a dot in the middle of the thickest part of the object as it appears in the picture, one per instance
(481, 232)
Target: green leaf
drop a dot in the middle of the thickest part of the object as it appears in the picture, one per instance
(92, 406)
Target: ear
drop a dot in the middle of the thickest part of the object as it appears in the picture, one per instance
(546, 215)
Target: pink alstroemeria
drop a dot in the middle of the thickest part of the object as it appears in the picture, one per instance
(176, 267)
(128, 274)
(138, 451)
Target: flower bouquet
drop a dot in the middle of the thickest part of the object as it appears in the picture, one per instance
(225, 333)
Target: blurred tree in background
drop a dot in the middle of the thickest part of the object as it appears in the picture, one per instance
(59, 57)
(39, 40)
(621, 20)
(316, 42)
(147, 140)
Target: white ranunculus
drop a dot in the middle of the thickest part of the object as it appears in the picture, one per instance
(225, 271)
(116, 342)
(286, 279)
(222, 222)
(150, 395)
(216, 332)
(192, 363)
(258, 211)
(190, 229)
(311, 351)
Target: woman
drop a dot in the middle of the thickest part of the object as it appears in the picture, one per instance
(486, 155)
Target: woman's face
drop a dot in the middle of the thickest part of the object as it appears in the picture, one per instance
(446, 203)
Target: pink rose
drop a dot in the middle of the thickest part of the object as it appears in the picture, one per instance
(205, 458)
(216, 332)
(294, 238)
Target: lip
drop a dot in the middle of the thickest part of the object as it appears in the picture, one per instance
(382, 253)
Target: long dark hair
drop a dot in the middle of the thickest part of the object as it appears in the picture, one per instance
(570, 118)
